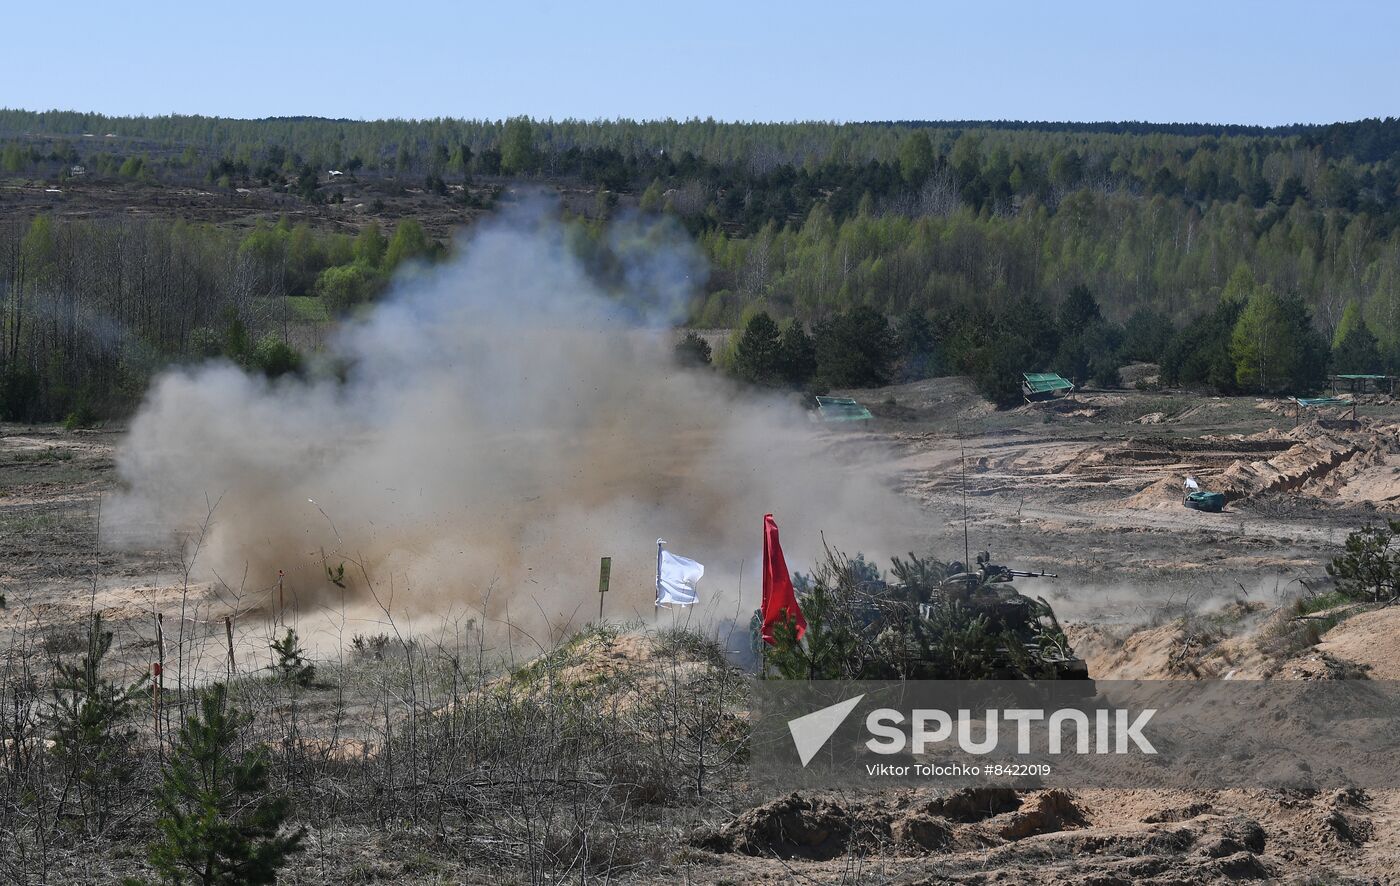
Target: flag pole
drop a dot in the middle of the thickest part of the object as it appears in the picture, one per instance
(656, 611)
(763, 605)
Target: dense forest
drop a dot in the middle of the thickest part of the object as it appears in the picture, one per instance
(1240, 258)
(92, 309)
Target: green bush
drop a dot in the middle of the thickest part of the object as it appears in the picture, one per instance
(81, 417)
(692, 350)
(345, 287)
(755, 357)
(997, 368)
(275, 358)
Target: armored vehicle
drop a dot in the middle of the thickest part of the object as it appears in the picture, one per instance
(1198, 499)
(986, 590)
(928, 620)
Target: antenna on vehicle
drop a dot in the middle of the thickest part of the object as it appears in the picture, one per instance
(962, 462)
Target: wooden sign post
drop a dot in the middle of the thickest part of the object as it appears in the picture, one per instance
(604, 574)
(228, 631)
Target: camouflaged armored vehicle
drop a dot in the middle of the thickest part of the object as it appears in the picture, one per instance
(986, 590)
(925, 620)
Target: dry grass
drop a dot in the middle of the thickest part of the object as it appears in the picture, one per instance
(413, 759)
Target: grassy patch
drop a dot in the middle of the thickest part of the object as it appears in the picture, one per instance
(1320, 603)
(298, 308)
(308, 307)
(39, 456)
(1297, 628)
(558, 658)
(30, 523)
(59, 474)
(1136, 408)
(682, 643)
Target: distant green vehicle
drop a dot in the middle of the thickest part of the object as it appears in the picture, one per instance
(1198, 499)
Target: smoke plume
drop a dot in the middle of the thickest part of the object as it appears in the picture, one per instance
(497, 424)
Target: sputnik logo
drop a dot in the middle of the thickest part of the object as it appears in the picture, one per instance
(811, 731)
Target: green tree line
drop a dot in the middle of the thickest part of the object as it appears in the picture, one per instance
(747, 174)
(811, 218)
(1254, 341)
(89, 310)
(1202, 247)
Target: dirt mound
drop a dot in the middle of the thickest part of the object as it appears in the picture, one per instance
(932, 397)
(1318, 464)
(1240, 640)
(1050, 836)
(1206, 849)
(1368, 640)
(1135, 374)
(606, 659)
(922, 830)
(1165, 493)
(1148, 653)
(814, 828)
(974, 804)
(1077, 405)
(624, 677)
(1320, 459)
(821, 828)
(1045, 813)
(1177, 813)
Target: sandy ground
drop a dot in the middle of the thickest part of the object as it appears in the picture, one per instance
(1090, 488)
(1087, 487)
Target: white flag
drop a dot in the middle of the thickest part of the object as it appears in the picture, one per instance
(676, 578)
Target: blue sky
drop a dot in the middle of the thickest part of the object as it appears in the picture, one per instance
(1239, 62)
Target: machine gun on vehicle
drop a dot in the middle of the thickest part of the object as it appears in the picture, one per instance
(1017, 573)
(987, 591)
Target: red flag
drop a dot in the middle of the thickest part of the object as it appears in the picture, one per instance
(779, 598)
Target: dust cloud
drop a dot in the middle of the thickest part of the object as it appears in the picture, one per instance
(494, 426)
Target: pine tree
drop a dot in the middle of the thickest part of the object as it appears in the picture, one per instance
(1369, 569)
(90, 724)
(370, 246)
(291, 660)
(756, 355)
(856, 349)
(1146, 335)
(918, 348)
(797, 355)
(1078, 310)
(832, 648)
(1199, 354)
(997, 368)
(915, 158)
(652, 197)
(1357, 351)
(219, 824)
(518, 155)
(1351, 318)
